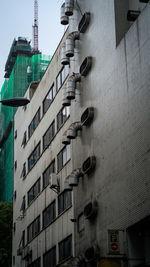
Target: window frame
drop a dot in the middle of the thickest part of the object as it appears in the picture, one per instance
(31, 229)
(61, 118)
(30, 166)
(64, 201)
(35, 263)
(47, 173)
(65, 70)
(63, 157)
(50, 132)
(44, 101)
(51, 260)
(38, 115)
(47, 216)
(65, 245)
(38, 184)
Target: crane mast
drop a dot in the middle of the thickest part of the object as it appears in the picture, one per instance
(35, 27)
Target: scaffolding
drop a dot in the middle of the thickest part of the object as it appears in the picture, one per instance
(25, 70)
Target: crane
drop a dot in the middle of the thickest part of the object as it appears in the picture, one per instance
(35, 28)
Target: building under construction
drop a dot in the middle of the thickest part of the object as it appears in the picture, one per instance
(23, 67)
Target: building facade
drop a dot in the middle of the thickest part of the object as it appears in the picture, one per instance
(22, 67)
(81, 187)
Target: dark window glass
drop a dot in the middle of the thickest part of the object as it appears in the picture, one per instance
(65, 72)
(33, 229)
(34, 157)
(15, 165)
(65, 248)
(49, 258)
(62, 116)
(46, 174)
(34, 191)
(23, 173)
(80, 222)
(34, 123)
(23, 239)
(48, 136)
(63, 157)
(23, 204)
(61, 77)
(49, 214)
(64, 201)
(36, 263)
(24, 140)
(48, 99)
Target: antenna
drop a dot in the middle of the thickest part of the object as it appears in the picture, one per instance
(35, 27)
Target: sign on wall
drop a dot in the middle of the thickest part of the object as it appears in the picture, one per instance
(113, 242)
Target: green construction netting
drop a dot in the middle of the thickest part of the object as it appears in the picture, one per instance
(25, 70)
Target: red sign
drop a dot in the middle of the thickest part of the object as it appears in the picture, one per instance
(114, 246)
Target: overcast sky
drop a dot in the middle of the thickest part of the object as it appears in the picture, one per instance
(17, 18)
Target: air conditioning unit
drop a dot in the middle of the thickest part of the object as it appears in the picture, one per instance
(64, 20)
(88, 165)
(73, 180)
(70, 43)
(92, 253)
(87, 116)
(84, 22)
(54, 180)
(132, 15)
(86, 66)
(67, 187)
(90, 210)
(69, 5)
(71, 133)
(65, 140)
(65, 101)
(71, 85)
(19, 251)
(26, 253)
(64, 59)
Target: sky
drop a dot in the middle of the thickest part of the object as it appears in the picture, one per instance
(17, 18)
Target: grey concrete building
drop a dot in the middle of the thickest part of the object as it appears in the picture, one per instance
(81, 189)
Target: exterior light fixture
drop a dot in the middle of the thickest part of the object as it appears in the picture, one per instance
(15, 102)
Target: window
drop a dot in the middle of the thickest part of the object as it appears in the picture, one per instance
(34, 123)
(62, 116)
(33, 229)
(15, 165)
(15, 136)
(23, 173)
(64, 201)
(13, 260)
(48, 136)
(34, 157)
(80, 222)
(34, 191)
(24, 140)
(22, 241)
(46, 174)
(36, 263)
(62, 76)
(49, 258)
(23, 204)
(49, 214)
(48, 99)
(65, 248)
(63, 157)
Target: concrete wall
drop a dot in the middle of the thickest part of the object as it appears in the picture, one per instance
(52, 235)
(118, 88)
